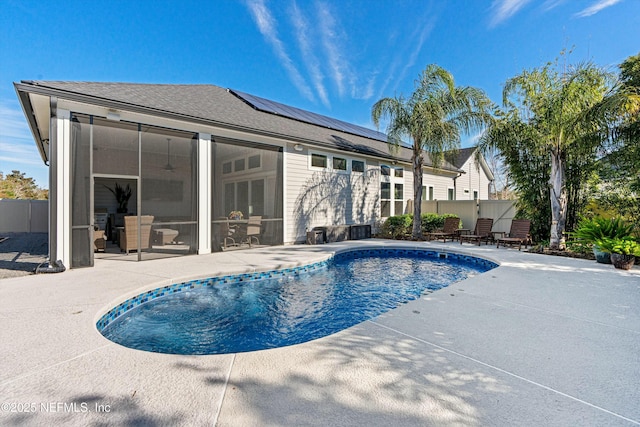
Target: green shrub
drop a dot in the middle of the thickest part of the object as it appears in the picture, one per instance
(619, 245)
(432, 221)
(397, 226)
(591, 231)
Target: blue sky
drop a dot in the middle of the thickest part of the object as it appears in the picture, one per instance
(332, 57)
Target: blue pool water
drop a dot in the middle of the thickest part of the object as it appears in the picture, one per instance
(247, 315)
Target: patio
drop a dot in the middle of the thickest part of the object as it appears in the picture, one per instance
(538, 341)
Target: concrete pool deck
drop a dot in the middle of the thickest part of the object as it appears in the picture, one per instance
(540, 340)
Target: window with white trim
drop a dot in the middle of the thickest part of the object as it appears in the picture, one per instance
(335, 163)
(385, 199)
(391, 191)
(318, 161)
(242, 165)
(339, 164)
(357, 166)
(427, 192)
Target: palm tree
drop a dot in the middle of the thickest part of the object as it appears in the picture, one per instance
(564, 115)
(433, 118)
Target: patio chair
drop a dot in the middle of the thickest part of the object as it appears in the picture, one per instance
(129, 234)
(480, 233)
(518, 234)
(449, 230)
(227, 233)
(254, 229)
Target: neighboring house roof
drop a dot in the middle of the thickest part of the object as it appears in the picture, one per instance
(461, 156)
(216, 106)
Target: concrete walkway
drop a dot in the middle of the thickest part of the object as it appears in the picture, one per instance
(539, 341)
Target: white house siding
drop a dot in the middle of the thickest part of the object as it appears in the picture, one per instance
(474, 179)
(319, 197)
(440, 184)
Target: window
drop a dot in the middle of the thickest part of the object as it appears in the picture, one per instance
(357, 166)
(398, 191)
(238, 165)
(427, 193)
(398, 196)
(257, 197)
(385, 170)
(318, 161)
(450, 194)
(385, 199)
(385, 191)
(339, 164)
(226, 167)
(475, 194)
(254, 161)
(398, 172)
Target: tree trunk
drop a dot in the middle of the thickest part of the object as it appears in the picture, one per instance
(558, 200)
(416, 232)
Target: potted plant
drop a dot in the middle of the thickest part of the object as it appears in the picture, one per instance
(235, 215)
(122, 196)
(591, 231)
(622, 251)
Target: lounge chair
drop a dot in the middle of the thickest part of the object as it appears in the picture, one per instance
(449, 230)
(254, 229)
(480, 233)
(518, 234)
(129, 234)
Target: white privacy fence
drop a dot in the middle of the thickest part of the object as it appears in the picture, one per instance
(24, 216)
(502, 211)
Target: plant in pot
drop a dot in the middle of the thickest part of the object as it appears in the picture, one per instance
(623, 251)
(591, 231)
(122, 194)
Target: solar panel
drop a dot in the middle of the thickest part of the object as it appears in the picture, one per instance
(294, 113)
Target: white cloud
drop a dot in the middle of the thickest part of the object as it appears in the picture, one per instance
(16, 142)
(309, 57)
(417, 40)
(505, 9)
(422, 37)
(267, 26)
(596, 7)
(551, 4)
(338, 65)
(12, 123)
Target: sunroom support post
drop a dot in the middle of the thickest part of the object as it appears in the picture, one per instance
(205, 169)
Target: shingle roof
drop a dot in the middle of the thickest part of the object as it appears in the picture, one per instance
(462, 155)
(218, 107)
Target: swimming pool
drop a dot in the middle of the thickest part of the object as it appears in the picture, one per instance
(248, 312)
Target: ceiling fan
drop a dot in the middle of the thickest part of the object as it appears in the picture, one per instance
(169, 167)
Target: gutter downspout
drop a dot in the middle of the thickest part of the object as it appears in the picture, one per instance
(57, 266)
(455, 185)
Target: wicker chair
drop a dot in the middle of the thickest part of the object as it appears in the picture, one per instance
(129, 235)
(254, 229)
